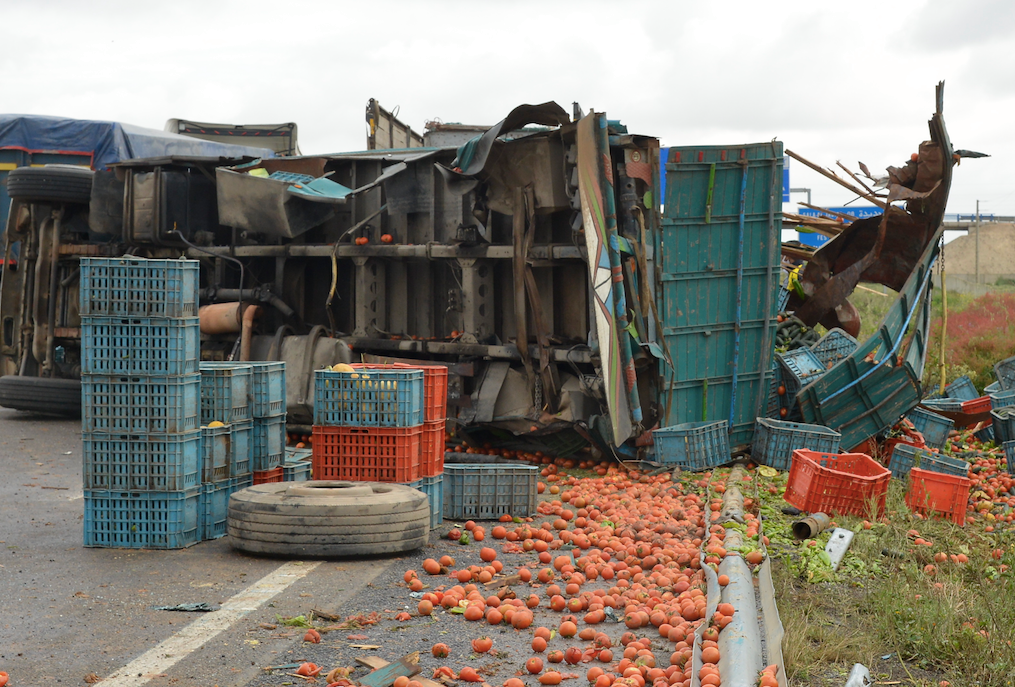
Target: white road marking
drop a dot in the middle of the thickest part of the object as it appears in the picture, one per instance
(174, 649)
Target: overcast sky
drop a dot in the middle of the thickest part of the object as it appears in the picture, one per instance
(833, 81)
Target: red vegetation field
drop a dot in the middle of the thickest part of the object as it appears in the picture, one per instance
(977, 337)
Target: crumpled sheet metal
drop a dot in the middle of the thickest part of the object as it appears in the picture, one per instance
(472, 156)
(884, 249)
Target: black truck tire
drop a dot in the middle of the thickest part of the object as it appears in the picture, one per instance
(41, 395)
(52, 183)
(326, 519)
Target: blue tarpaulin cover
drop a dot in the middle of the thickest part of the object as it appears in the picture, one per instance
(108, 142)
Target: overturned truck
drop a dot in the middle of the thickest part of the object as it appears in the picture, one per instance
(538, 262)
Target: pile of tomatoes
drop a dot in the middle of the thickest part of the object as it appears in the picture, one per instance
(619, 546)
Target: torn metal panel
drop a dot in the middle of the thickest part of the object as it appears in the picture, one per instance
(535, 161)
(251, 197)
(468, 169)
(487, 401)
(879, 382)
(264, 205)
(883, 249)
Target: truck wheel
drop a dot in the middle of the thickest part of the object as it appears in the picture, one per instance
(41, 395)
(54, 183)
(328, 519)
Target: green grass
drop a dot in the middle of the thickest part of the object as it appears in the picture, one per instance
(980, 332)
(956, 625)
(872, 307)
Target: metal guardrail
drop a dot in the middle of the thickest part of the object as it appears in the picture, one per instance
(983, 218)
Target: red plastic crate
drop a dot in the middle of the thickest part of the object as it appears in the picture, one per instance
(431, 449)
(435, 387)
(938, 492)
(267, 476)
(977, 405)
(836, 483)
(367, 454)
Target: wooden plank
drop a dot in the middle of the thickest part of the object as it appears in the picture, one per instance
(828, 174)
(385, 676)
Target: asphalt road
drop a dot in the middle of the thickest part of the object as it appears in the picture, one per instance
(69, 611)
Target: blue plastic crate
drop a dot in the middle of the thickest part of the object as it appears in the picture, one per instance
(241, 448)
(1004, 371)
(834, 346)
(783, 298)
(992, 388)
(139, 346)
(946, 405)
(298, 455)
(142, 519)
(933, 427)
(986, 435)
(433, 487)
(152, 462)
(215, 508)
(774, 401)
(905, 457)
(267, 389)
(137, 287)
(1002, 399)
(140, 404)
(215, 505)
(693, 445)
(962, 388)
(215, 453)
(297, 471)
(1003, 422)
(292, 177)
(225, 392)
(486, 492)
(1009, 455)
(775, 441)
(368, 398)
(801, 367)
(268, 443)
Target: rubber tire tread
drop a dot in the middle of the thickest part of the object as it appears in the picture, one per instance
(54, 184)
(264, 519)
(328, 538)
(333, 551)
(265, 498)
(52, 396)
(261, 518)
(325, 526)
(343, 531)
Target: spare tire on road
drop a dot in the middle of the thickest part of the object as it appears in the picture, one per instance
(328, 519)
(53, 183)
(49, 395)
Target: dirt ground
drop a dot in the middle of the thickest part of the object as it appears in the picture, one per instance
(997, 251)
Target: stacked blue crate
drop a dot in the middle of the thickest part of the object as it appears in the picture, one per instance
(142, 449)
(268, 410)
(231, 395)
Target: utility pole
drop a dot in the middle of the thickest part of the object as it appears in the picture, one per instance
(977, 241)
